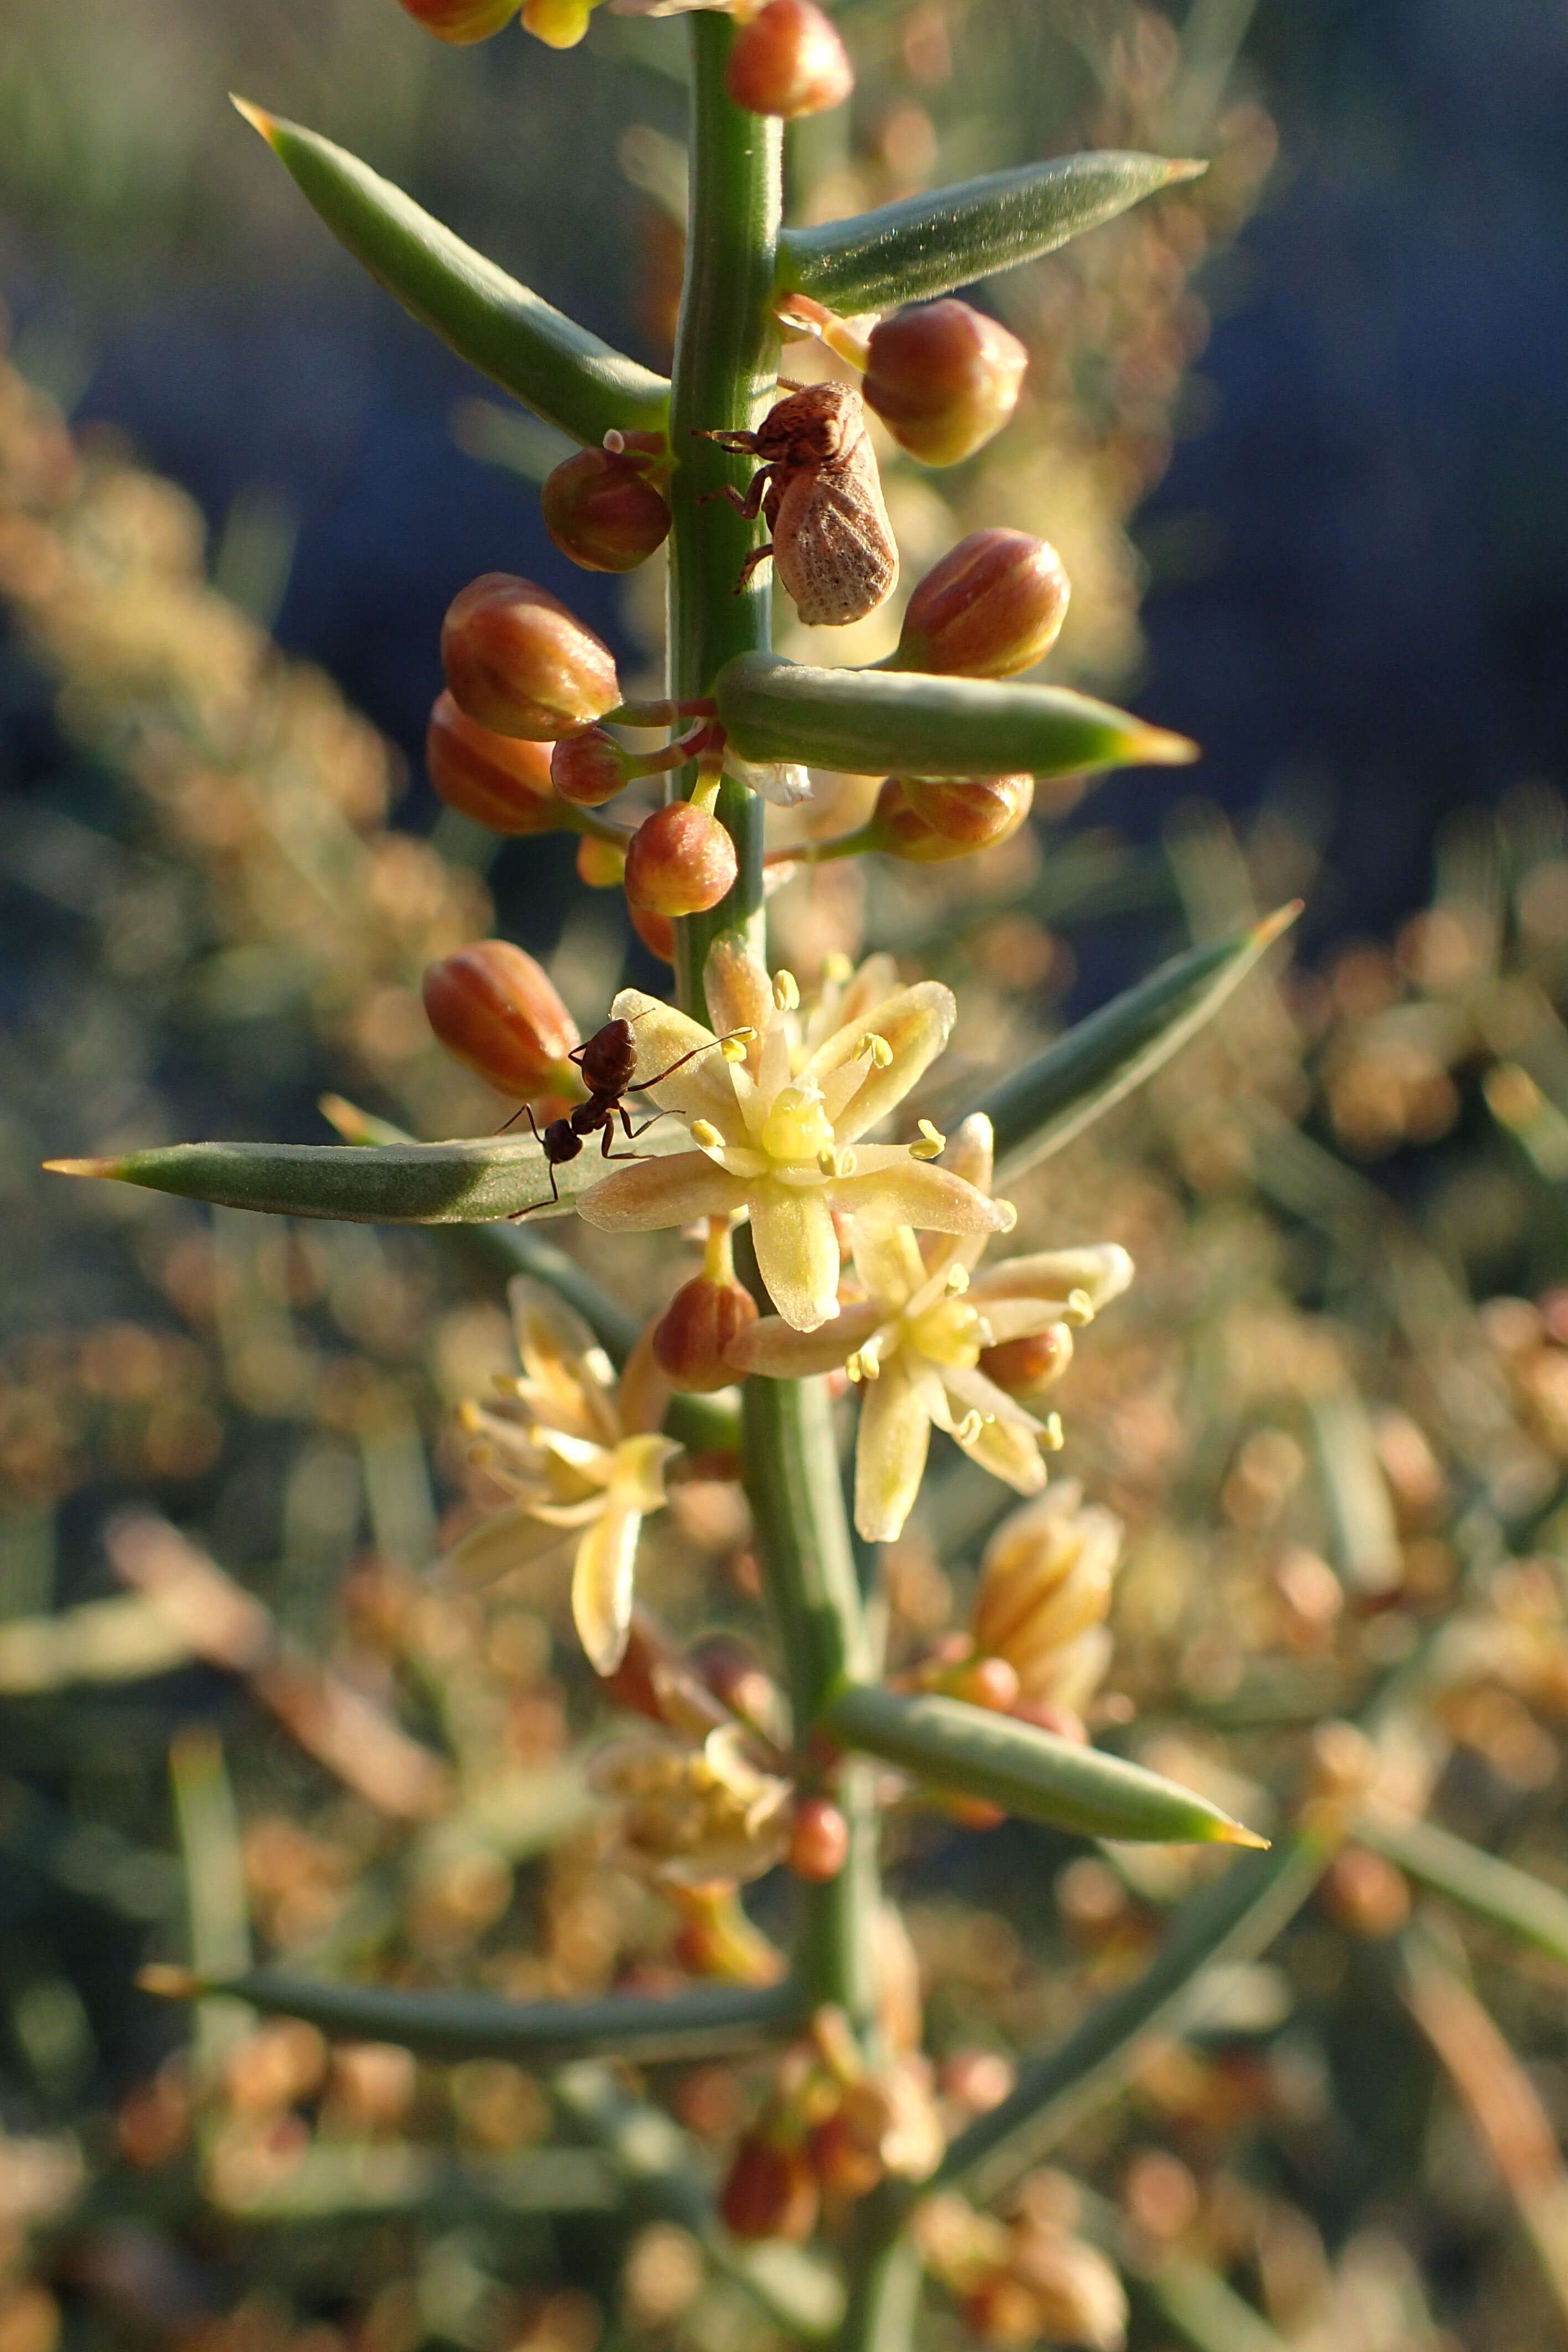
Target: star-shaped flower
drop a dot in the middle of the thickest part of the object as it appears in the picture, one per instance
(915, 1341)
(564, 1441)
(777, 1130)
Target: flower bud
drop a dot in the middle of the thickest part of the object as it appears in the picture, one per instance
(770, 2191)
(717, 1940)
(818, 1841)
(681, 861)
(657, 932)
(589, 768)
(943, 378)
(976, 813)
(1023, 1368)
(1046, 1579)
(601, 865)
(499, 781)
(601, 509)
(492, 1006)
(517, 662)
(559, 24)
(700, 1323)
(788, 61)
(992, 606)
(461, 20)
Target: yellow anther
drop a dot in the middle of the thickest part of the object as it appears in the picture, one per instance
(957, 1281)
(734, 1047)
(1008, 1213)
(970, 1427)
(838, 967)
(786, 992)
(846, 1163)
(1078, 1307)
(872, 1047)
(470, 1416)
(1051, 1434)
(706, 1136)
(828, 1161)
(931, 1144)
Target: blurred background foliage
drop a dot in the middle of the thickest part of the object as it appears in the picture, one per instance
(1332, 1413)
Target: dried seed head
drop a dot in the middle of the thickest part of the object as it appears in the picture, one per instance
(461, 20)
(701, 1322)
(492, 1006)
(499, 781)
(680, 862)
(589, 768)
(788, 61)
(601, 509)
(992, 607)
(943, 378)
(517, 662)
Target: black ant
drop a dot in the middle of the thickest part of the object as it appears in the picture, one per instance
(606, 1060)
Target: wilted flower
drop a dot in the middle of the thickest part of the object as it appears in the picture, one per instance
(783, 782)
(694, 1810)
(1045, 1582)
(782, 1141)
(560, 1443)
(915, 1342)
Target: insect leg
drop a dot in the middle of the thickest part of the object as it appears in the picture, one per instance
(758, 555)
(517, 1215)
(660, 1077)
(751, 503)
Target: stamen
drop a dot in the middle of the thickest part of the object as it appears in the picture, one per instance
(1009, 1214)
(844, 1162)
(1051, 1436)
(786, 992)
(1078, 1309)
(957, 1281)
(870, 1047)
(734, 1047)
(706, 1136)
(932, 1142)
(970, 1427)
(838, 967)
(827, 1161)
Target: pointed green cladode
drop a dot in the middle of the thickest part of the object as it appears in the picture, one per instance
(467, 1183)
(928, 245)
(1523, 1905)
(968, 1751)
(561, 370)
(885, 722)
(1054, 1098)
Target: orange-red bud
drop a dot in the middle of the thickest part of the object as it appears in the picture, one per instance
(497, 779)
(701, 1322)
(770, 2191)
(992, 606)
(601, 509)
(943, 378)
(461, 20)
(600, 864)
(1025, 1367)
(492, 1006)
(788, 61)
(974, 815)
(818, 1841)
(517, 662)
(588, 769)
(681, 861)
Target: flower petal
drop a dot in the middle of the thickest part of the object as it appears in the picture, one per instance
(971, 1152)
(888, 1261)
(602, 1584)
(738, 992)
(1015, 1318)
(1009, 1453)
(658, 1192)
(508, 1539)
(639, 1467)
(890, 1452)
(1102, 1269)
(775, 1348)
(975, 1394)
(797, 1252)
(916, 1023)
(917, 1193)
(700, 1087)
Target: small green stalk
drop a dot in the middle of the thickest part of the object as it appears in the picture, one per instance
(726, 354)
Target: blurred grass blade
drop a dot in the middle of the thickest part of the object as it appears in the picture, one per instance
(1057, 1095)
(562, 373)
(449, 2026)
(217, 1909)
(927, 245)
(1496, 1890)
(898, 722)
(1197, 2307)
(972, 1753)
(1363, 1535)
(463, 1183)
(1234, 1920)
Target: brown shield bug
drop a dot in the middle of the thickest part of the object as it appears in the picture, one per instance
(821, 496)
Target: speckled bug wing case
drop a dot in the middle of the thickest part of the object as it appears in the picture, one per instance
(833, 544)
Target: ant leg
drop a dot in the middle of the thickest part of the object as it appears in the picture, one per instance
(513, 1119)
(517, 1215)
(660, 1077)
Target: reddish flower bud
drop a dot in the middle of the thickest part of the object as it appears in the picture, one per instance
(680, 862)
(559, 24)
(701, 1322)
(770, 2191)
(974, 815)
(517, 662)
(461, 20)
(602, 511)
(844, 2161)
(1027, 1367)
(588, 769)
(657, 932)
(497, 779)
(992, 606)
(944, 379)
(818, 1841)
(492, 1006)
(788, 61)
(988, 1683)
(601, 865)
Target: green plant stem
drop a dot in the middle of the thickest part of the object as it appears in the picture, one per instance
(724, 368)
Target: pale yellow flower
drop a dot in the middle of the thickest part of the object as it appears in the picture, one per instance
(1045, 1582)
(916, 1340)
(778, 1129)
(694, 1810)
(558, 1439)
